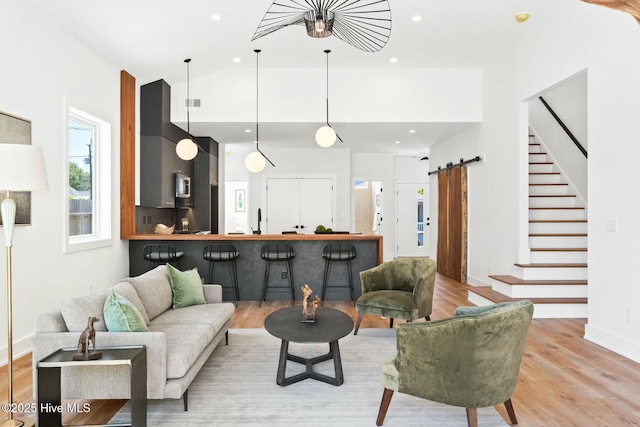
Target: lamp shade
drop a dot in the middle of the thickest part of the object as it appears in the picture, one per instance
(325, 136)
(186, 149)
(319, 24)
(255, 162)
(22, 168)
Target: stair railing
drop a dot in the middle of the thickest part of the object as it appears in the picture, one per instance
(564, 127)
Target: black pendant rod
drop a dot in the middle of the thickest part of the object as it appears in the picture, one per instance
(338, 136)
(450, 165)
(257, 51)
(187, 61)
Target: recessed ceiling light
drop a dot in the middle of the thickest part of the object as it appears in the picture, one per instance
(521, 17)
(416, 18)
(393, 60)
(412, 131)
(236, 59)
(397, 142)
(247, 131)
(215, 17)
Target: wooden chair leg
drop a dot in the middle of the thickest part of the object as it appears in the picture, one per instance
(512, 414)
(384, 405)
(472, 417)
(427, 318)
(360, 315)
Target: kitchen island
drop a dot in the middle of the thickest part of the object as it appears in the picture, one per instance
(308, 264)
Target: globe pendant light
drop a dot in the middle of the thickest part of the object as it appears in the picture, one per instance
(325, 135)
(186, 149)
(256, 161)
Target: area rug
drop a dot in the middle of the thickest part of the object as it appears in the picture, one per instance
(237, 387)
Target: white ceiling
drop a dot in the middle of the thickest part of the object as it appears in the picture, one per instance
(151, 38)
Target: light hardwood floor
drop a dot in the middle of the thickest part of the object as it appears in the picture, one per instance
(564, 379)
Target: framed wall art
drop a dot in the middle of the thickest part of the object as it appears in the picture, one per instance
(240, 200)
(16, 130)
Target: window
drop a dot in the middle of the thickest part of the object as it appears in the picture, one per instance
(87, 182)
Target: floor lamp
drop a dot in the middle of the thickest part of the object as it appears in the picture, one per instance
(22, 169)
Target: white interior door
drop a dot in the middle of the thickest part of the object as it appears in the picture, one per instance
(299, 204)
(283, 205)
(316, 204)
(412, 219)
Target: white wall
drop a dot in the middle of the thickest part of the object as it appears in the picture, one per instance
(311, 163)
(577, 36)
(569, 101)
(403, 95)
(42, 68)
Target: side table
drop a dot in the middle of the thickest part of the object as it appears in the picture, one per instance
(49, 394)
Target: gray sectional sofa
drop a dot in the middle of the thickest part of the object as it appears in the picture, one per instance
(178, 341)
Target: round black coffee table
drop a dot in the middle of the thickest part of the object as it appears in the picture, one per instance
(329, 327)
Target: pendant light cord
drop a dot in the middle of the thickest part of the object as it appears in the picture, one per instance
(338, 136)
(257, 51)
(327, 52)
(188, 60)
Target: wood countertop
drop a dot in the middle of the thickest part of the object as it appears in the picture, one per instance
(256, 237)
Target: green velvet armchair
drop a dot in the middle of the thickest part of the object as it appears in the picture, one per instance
(401, 289)
(471, 360)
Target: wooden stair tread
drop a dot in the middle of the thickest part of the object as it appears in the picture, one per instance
(553, 183)
(496, 297)
(548, 221)
(558, 249)
(553, 265)
(568, 207)
(552, 195)
(558, 235)
(512, 280)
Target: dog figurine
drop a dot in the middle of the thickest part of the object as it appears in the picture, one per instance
(88, 336)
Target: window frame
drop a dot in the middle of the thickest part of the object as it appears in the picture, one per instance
(100, 186)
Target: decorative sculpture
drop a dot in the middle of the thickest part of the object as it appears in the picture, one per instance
(88, 336)
(309, 305)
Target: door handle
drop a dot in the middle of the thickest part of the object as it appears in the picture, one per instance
(295, 226)
(302, 226)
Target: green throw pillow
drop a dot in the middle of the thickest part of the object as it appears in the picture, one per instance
(120, 315)
(186, 287)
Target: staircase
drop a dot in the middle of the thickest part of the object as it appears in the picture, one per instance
(556, 278)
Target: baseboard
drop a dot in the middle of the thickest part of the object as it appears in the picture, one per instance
(620, 345)
(21, 347)
(474, 281)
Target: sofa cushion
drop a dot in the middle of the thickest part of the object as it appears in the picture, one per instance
(154, 290)
(216, 315)
(120, 315)
(186, 287)
(185, 343)
(76, 311)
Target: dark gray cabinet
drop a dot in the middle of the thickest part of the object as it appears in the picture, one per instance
(205, 186)
(157, 172)
(158, 160)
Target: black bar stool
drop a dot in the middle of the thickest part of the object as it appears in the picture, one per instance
(228, 254)
(333, 253)
(160, 253)
(274, 253)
